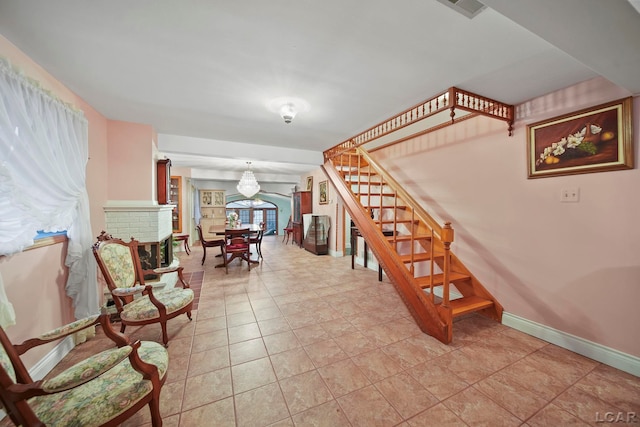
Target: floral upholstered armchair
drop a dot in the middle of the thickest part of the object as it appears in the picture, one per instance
(136, 302)
(104, 389)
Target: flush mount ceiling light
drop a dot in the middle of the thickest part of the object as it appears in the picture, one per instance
(248, 186)
(288, 107)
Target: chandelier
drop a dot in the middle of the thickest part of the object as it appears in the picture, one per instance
(248, 186)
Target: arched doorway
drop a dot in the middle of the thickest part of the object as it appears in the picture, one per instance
(255, 211)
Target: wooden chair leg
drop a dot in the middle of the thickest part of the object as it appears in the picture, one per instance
(165, 336)
(204, 254)
(154, 407)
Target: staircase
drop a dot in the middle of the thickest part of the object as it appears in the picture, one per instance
(417, 257)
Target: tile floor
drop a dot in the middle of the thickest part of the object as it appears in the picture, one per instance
(303, 340)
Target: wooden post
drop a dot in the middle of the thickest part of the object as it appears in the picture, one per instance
(447, 238)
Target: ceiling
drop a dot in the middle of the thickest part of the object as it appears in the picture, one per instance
(202, 73)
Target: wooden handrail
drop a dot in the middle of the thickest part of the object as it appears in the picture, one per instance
(450, 99)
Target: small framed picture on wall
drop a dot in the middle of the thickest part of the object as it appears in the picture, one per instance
(309, 183)
(324, 192)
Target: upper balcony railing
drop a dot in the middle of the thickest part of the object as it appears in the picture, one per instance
(451, 99)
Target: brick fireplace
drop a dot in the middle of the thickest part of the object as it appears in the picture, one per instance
(151, 225)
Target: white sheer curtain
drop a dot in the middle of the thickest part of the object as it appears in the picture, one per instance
(43, 157)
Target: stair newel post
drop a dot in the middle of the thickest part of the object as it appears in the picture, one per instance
(447, 238)
(431, 266)
(413, 233)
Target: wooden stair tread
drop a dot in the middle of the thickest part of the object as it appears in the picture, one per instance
(374, 194)
(469, 304)
(419, 257)
(386, 207)
(438, 279)
(397, 221)
(407, 237)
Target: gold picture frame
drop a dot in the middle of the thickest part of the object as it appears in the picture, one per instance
(595, 139)
(323, 188)
(309, 183)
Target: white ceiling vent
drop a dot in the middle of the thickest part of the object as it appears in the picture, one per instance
(469, 8)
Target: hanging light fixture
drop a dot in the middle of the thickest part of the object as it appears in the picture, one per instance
(248, 186)
(288, 112)
(288, 107)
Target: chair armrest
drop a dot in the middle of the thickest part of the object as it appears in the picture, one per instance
(57, 333)
(164, 270)
(64, 331)
(86, 370)
(123, 292)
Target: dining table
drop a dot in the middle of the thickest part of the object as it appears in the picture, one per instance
(237, 230)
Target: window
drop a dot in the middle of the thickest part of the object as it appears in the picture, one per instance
(255, 212)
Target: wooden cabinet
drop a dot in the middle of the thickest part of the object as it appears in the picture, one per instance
(301, 206)
(164, 181)
(175, 196)
(316, 236)
(213, 211)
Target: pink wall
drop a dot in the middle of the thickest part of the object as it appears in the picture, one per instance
(41, 272)
(574, 267)
(130, 157)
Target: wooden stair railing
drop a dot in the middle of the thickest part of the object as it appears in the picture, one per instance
(418, 245)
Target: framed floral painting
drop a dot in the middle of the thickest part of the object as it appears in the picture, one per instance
(595, 139)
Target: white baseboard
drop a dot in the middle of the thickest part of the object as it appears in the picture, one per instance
(48, 362)
(608, 356)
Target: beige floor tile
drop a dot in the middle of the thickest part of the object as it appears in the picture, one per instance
(367, 407)
(247, 350)
(244, 332)
(354, 343)
(273, 326)
(253, 374)
(406, 395)
(206, 388)
(325, 352)
(238, 319)
(326, 415)
(475, 409)
(311, 334)
(291, 362)
(304, 391)
(438, 380)
(261, 406)
(343, 377)
(438, 416)
(219, 414)
(376, 365)
(584, 405)
(552, 415)
(210, 340)
(406, 354)
(209, 360)
(283, 341)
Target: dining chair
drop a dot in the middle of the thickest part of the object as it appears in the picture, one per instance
(257, 240)
(136, 302)
(214, 243)
(236, 246)
(288, 231)
(103, 389)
